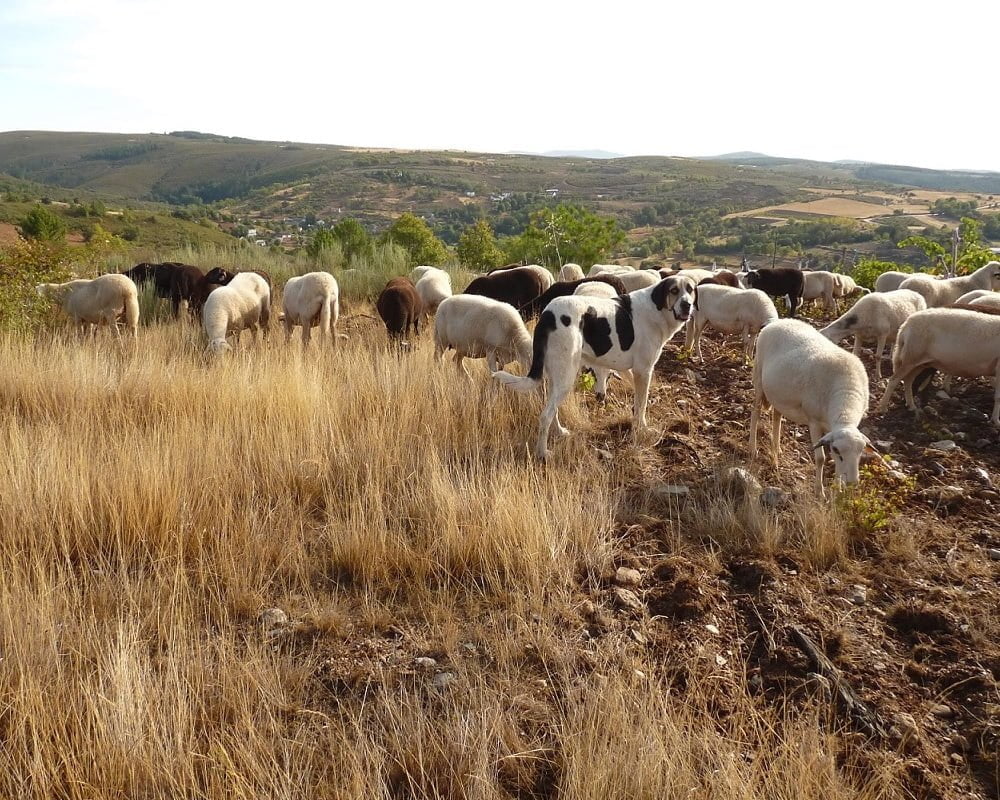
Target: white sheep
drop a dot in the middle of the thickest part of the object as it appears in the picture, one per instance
(571, 272)
(311, 299)
(418, 272)
(845, 286)
(433, 287)
(638, 279)
(953, 340)
(730, 310)
(609, 269)
(245, 302)
(820, 285)
(99, 301)
(980, 297)
(697, 274)
(480, 327)
(803, 376)
(875, 316)
(889, 281)
(596, 289)
(944, 291)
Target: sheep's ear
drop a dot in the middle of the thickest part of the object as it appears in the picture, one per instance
(824, 442)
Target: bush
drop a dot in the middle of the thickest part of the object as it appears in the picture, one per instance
(42, 224)
(22, 266)
(866, 272)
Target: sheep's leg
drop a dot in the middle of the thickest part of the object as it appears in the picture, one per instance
(697, 341)
(288, 329)
(857, 345)
(908, 382)
(601, 383)
(890, 387)
(775, 435)
(491, 360)
(747, 343)
(113, 325)
(306, 335)
(879, 349)
(460, 364)
(819, 457)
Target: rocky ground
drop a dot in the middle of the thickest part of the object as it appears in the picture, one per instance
(715, 565)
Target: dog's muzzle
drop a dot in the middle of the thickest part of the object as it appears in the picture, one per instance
(685, 312)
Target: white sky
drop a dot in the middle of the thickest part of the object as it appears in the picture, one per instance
(880, 81)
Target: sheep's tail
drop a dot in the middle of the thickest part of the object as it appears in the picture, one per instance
(132, 310)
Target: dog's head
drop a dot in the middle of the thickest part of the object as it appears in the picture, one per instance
(676, 293)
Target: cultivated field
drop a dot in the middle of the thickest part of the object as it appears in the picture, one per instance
(340, 575)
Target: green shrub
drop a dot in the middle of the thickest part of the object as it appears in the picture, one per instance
(866, 272)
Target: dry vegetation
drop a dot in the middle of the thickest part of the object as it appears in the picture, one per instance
(157, 507)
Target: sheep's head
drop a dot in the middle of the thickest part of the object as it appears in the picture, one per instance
(218, 275)
(847, 446)
(995, 276)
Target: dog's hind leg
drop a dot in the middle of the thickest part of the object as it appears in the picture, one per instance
(561, 379)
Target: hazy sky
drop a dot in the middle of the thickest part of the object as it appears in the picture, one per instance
(874, 80)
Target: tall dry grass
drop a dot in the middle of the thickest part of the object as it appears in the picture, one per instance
(154, 502)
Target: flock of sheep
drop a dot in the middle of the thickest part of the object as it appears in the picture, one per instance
(615, 321)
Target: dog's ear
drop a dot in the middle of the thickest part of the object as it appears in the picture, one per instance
(660, 291)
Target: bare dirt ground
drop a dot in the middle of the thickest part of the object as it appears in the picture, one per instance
(909, 611)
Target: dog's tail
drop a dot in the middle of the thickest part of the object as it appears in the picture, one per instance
(539, 345)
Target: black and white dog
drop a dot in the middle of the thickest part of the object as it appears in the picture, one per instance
(620, 333)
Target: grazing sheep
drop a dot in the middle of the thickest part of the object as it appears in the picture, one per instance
(244, 302)
(637, 278)
(803, 376)
(782, 282)
(623, 333)
(597, 288)
(941, 292)
(544, 274)
(820, 285)
(845, 286)
(889, 281)
(400, 308)
(433, 286)
(95, 302)
(964, 342)
(517, 286)
(224, 276)
(480, 327)
(609, 269)
(875, 316)
(418, 272)
(571, 272)
(311, 299)
(980, 297)
(563, 288)
(722, 278)
(743, 311)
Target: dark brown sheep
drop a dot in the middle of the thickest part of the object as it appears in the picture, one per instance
(517, 287)
(221, 276)
(782, 282)
(563, 288)
(400, 307)
(723, 278)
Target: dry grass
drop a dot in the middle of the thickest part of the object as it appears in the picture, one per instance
(155, 503)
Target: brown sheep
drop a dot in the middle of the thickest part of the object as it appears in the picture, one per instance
(516, 287)
(400, 306)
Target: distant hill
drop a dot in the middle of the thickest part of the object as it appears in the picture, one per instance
(581, 154)
(738, 156)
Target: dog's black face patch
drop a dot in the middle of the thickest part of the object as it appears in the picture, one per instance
(623, 322)
(565, 320)
(596, 332)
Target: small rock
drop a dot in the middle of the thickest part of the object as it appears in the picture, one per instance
(943, 494)
(944, 446)
(273, 618)
(982, 444)
(627, 599)
(883, 444)
(906, 725)
(625, 576)
(741, 481)
(774, 497)
(942, 711)
(899, 475)
(858, 595)
(940, 394)
(993, 553)
(469, 647)
(957, 759)
(721, 660)
(961, 436)
(938, 468)
(712, 629)
(639, 674)
(691, 375)
(443, 680)
(981, 475)
(424, 662)
(988, 494)
(959, 742)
